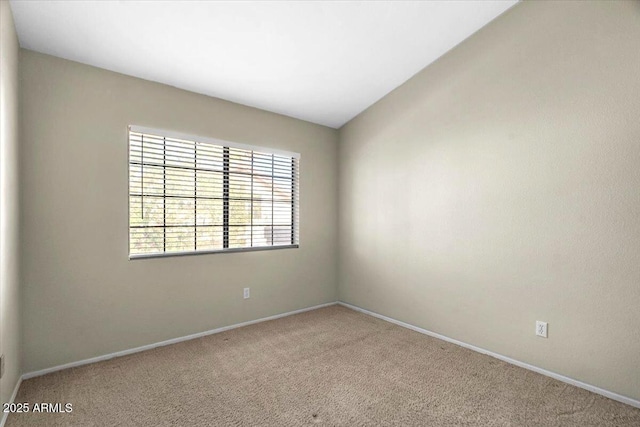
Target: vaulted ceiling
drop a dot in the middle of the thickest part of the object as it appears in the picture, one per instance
(324, 62)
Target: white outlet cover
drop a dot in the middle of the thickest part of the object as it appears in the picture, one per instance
(541, 329)
(246, 293)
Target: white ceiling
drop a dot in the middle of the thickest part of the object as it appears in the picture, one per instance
(324, 62)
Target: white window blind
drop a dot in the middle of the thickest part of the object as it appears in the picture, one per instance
(192, 195)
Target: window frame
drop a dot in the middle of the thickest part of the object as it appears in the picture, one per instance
(225, 145)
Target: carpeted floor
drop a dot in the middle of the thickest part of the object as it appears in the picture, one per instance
(331, 366)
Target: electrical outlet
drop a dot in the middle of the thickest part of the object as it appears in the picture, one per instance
(2, 366)
(541, 329)
(247, 293)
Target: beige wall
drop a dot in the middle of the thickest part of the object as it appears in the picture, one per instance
(501, 185)
(9, 205)
(82, 296)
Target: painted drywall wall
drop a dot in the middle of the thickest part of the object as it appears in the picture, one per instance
(82, 296)
(10, 333)
(501, 185)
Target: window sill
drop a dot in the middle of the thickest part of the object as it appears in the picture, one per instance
(220, 251)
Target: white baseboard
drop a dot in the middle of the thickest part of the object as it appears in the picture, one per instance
(167, 342)
(571, 381)
(5, 415)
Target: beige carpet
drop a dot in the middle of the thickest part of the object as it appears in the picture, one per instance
(331, 366)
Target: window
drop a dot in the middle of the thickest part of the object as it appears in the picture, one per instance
(192, 195)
